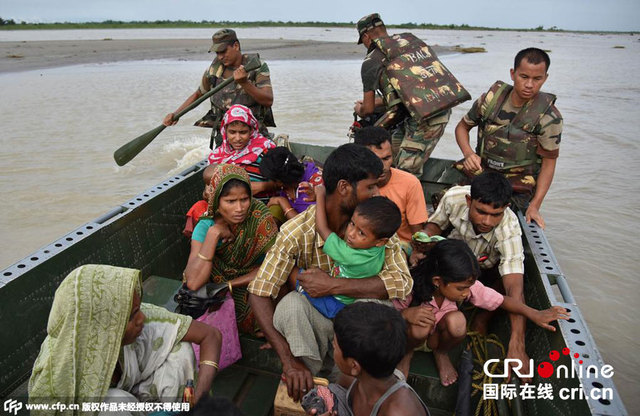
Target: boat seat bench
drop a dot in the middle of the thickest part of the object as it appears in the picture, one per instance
(252, 382)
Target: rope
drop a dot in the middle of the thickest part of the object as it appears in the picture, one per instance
(478, 344)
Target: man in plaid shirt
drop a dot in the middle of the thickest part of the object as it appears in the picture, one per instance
(300, 335)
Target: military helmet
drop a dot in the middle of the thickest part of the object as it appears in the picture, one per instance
(223, 38)
(367, 23)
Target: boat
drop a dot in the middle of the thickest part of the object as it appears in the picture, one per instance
(146, 233)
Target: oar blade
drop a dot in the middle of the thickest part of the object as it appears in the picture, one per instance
(131, 149)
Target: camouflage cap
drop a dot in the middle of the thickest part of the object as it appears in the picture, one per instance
(367, 23)
(221, 39)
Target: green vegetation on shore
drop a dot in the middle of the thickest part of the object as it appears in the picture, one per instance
(10, 24)
(115, 24)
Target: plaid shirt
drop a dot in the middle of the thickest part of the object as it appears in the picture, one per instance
(295, 246)
(502, 244)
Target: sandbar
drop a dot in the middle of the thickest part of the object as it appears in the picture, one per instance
(32, 55)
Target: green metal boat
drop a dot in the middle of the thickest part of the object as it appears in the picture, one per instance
(145, 233)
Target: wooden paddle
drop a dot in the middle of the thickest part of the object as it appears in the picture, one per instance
(131, 149)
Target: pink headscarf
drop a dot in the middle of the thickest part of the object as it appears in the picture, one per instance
(254, 148)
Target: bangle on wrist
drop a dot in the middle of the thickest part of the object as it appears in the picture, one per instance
(201, 257)
(210, 363)
(287, 211)
(230, 287)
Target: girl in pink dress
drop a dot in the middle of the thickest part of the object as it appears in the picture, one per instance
(447, 277)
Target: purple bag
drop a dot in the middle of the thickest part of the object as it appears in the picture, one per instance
(224, 319)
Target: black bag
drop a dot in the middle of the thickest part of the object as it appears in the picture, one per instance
(196, 302)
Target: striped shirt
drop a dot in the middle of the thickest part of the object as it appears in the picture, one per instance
(298, 245)
(501, 245)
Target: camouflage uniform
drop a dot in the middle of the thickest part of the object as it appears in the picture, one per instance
(234, 94)
(514, 140)
(396, 63)
(413, 141)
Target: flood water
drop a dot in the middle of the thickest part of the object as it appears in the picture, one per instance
(60, 127)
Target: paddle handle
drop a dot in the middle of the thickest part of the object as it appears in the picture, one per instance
(129, 150)
(251, 66)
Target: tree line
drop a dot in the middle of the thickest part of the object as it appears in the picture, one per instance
(12, 24)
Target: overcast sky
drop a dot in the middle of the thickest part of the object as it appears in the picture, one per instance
(613, 15)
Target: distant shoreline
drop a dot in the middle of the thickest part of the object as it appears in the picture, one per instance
(32, 55)
(167, 24)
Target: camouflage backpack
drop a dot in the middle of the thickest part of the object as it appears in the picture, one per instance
(423, 84)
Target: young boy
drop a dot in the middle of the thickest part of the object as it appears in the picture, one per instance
(369, 342)
(361, 253)
(199, 208)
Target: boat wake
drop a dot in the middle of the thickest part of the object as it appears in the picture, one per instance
(185, 152)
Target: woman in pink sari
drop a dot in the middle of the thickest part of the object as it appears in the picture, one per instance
(243, 145)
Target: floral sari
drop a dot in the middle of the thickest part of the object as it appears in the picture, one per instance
(252, 239)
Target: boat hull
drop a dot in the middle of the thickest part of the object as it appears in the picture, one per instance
(146, 233)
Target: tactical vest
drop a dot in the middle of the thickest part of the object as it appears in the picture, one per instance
(415, 77)
(233, 94)
(512, 148)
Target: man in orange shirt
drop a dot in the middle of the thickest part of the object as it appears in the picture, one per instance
(399, 186)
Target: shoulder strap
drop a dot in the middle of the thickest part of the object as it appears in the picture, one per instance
(246, 58)
(389, 392)
(530, 115)
(500, 91)
(216, 69)
(398, 44)
(398, 385)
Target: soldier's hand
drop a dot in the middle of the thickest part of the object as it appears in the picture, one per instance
(533, 214)
(240, 75)
(168, 120)
(472, 162)
(357, 107)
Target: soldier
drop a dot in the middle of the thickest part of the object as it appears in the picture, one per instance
(414, 137)
(519, 131)
(250, 89)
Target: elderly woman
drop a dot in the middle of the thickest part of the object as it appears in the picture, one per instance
(230, 242)
(104, 345)
(243, 145)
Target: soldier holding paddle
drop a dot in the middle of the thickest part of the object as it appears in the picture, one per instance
(252, 89)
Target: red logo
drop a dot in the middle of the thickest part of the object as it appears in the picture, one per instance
(545, 368)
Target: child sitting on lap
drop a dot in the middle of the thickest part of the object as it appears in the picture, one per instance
(361, 253)
(446, 277)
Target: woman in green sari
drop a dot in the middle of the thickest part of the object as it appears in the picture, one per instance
(230, 242)
(104, 345)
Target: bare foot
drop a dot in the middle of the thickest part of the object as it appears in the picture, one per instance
(266, 346)
(448, 374)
